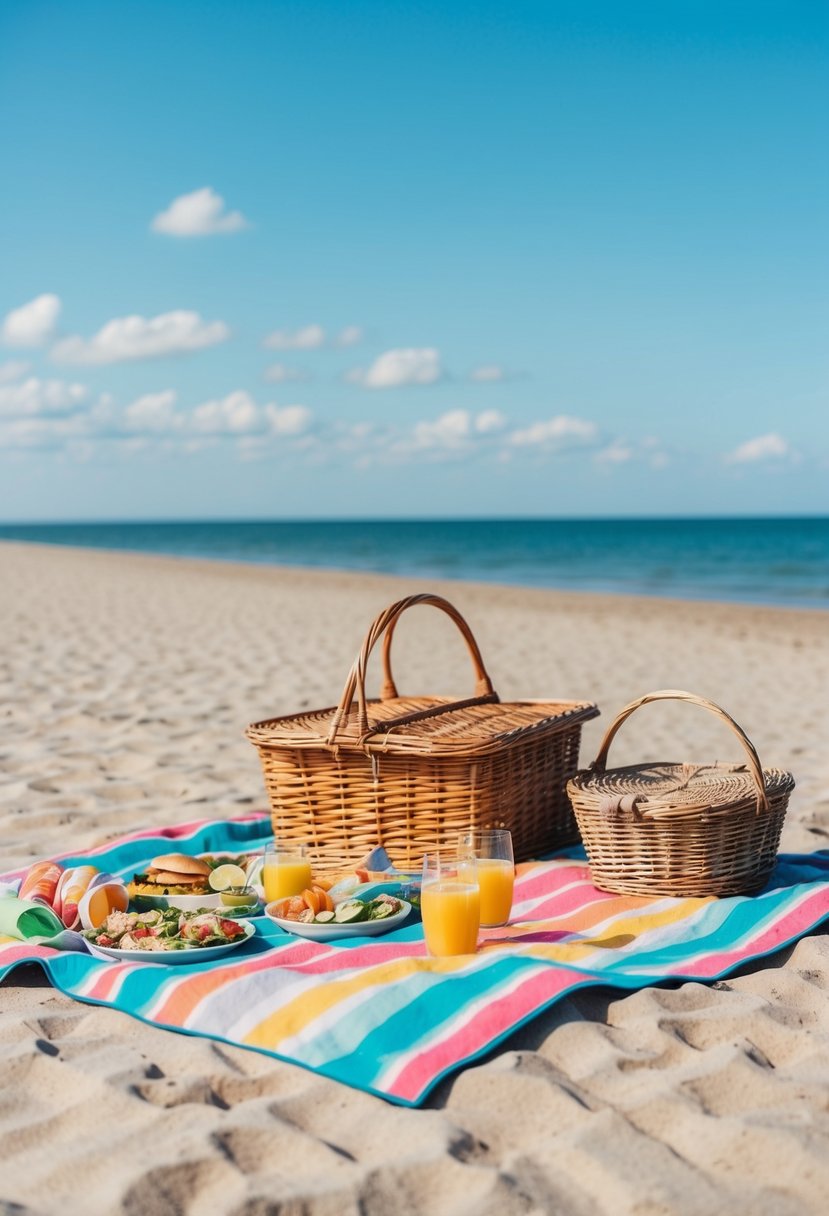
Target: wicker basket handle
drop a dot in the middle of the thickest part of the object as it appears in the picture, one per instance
(384, 624)
(674, 694)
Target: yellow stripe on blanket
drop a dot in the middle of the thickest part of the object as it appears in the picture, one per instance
(315, 1002)
(618, 933)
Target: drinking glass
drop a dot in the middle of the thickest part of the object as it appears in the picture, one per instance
(491, 850)
(286, 870)
(449, 905)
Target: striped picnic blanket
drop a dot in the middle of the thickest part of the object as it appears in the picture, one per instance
(378, 1014)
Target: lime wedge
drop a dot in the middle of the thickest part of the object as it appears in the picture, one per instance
(226, 876)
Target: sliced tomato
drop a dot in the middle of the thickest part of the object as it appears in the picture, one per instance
(231, 928)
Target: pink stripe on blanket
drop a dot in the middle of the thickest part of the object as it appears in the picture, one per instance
(798, 921)
(10, 952)
(498, 1014)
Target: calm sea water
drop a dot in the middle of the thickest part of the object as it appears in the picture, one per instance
(770, 561)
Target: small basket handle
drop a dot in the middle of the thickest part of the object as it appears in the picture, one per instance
(599, 765)
(384, 624)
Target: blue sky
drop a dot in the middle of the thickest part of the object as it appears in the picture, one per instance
(273, 260)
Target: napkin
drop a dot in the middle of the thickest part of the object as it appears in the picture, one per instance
(25, 920)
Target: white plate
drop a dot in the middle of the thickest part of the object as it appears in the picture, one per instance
(184, 903)
(332, 931)
(196, 954)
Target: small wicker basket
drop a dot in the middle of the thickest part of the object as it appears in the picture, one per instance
(423, 769)
(680, 829)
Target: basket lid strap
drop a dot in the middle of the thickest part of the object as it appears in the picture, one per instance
(611, 805)
(599, 765)
(434, 711)
(385, 622)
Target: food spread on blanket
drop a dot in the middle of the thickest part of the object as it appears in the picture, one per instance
(306, 909)
(84, 898)
(165, 929)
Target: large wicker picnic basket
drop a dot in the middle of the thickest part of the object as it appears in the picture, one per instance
(680, 829)
(410, 773)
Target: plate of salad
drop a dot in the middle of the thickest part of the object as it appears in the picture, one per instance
(167, 935)
(353, 917)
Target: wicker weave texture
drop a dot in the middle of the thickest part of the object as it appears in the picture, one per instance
(410, 773)
(680, 829)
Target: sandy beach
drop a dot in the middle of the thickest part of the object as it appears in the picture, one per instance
(125, 685)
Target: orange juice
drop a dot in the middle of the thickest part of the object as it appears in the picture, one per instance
(495, 877)
(284, 875)
(451, 917)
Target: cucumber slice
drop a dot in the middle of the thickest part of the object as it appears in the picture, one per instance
(323, 918)
(351, 911)
(381, 908)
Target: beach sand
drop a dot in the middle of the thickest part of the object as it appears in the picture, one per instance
(125, 685)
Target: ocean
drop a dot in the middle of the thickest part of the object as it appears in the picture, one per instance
(764, 561)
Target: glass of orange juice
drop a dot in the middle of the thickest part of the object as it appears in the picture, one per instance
(491, 850)
(450, 905)
(286, 870)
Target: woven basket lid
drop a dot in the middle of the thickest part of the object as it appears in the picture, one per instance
(663, 790)
(432, 725)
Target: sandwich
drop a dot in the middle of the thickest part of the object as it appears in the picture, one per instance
(172, 874)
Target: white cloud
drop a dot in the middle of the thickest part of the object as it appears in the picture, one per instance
(616, 452)
(287, 419)
(32, 324)
(395, 368)
(450, 430)
(488, 374)
(13, 369)
(351, 335)
(488, 421)
(457, 431)
(153, 412)
(238, 414)
(34, 397)
(764, 447)
(200, 213)
(654, 453)
(280, 373)
(234, 414)
(555, 432)
(52, 414)
(127, 338)
(43, 432)
(311, 337)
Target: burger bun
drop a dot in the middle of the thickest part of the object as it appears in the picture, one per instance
(174, 866)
